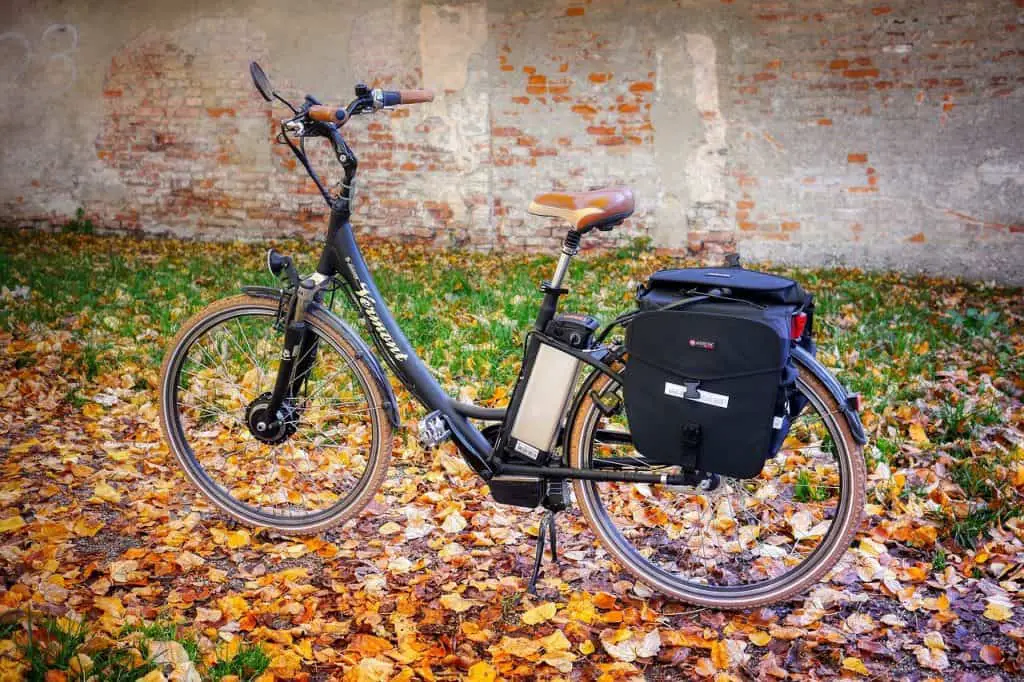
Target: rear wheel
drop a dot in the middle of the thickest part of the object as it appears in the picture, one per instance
(744, 543)
(315, 466)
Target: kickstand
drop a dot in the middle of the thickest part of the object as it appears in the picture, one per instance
(545, 533)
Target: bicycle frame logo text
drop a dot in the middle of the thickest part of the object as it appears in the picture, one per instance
(369, 307)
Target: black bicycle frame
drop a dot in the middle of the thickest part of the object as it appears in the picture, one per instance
(342, 258)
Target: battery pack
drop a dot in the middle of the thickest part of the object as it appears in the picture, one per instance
(535, 428)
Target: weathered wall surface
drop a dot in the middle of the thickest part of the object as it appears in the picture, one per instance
(880, 133)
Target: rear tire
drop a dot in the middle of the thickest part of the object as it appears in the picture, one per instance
(206, 409)
(616, 512)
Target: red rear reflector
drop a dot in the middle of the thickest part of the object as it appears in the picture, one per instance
(855, 401)
(797, 325)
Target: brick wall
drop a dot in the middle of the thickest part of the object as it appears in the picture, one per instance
(883, 134)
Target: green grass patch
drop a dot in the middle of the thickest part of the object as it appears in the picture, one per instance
(247, 664)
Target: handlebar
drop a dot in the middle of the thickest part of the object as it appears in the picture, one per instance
(379, 98)
(313, 119)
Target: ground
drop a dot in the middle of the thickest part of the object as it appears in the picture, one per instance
(98, 525)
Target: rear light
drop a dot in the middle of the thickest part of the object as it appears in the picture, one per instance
(854, 401)
(797, 325)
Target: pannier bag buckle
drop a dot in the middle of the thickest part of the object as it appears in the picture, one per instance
(691, 392)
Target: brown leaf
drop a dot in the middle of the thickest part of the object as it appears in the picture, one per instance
(991, 654)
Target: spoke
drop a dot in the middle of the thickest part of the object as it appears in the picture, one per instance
(217, 361)
(327, 383)
(248, 351)
(218, 409)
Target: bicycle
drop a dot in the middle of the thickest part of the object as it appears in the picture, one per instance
(282, 415)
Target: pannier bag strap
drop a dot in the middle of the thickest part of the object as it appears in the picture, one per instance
(691, 445)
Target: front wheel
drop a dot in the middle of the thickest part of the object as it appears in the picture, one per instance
(319, 464)
(746, 542)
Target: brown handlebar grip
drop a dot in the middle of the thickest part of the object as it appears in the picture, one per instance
(318, 112)
(416, 96)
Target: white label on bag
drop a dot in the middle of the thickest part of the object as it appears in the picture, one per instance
(526, 449)
(705, 397)
(777, 423)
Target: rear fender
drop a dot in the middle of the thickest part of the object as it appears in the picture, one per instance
(363, 351)
(837, 390)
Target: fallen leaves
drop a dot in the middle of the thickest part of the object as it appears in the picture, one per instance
(455, 602)
(626, 645)
(104, 492)
(96, 517)
(999, 609)
(11, 523)
(540, 614)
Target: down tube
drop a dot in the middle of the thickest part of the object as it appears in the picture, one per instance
(391, 341)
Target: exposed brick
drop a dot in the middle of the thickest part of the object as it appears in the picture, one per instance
(856, 157)
(861, 73)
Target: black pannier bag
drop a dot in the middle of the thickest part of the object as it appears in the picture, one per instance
(710, 383)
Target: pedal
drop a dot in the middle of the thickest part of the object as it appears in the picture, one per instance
(433, 430)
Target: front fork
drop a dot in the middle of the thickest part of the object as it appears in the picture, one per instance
(299, 350)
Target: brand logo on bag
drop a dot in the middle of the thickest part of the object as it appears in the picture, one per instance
(703, 345)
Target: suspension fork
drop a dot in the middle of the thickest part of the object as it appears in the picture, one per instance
(298, 353)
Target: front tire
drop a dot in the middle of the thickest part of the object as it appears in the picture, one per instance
(694, 545)
(322, 469)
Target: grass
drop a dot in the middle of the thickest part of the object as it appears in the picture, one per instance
(61, 645)
(247, 664)
(805, 490)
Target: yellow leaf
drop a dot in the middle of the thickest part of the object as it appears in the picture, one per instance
(305, 649)
(455, 602)
(856, 665)
(110, 605)
(933, 640)
(240, 538)
(540, 614)
(720, 655)
(11, 523)
(997, 611)
(759, 637)
(482, 671)
(556, 641)
(234, 605)
(87, 527)
(587, 648)
(22, 448)
(560, 660)
(104, 492)
(287, 663)
(918, 435)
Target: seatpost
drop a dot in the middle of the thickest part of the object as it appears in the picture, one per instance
(570, 247)
(553, 289)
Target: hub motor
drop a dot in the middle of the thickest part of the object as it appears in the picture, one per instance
(267, 428)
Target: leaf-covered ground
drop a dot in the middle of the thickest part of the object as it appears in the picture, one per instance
(111, 565)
